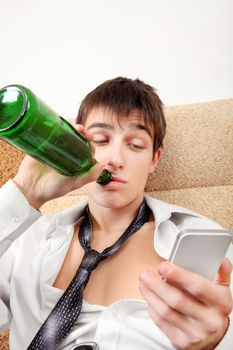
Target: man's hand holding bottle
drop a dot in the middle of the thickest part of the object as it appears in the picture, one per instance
(39, 183)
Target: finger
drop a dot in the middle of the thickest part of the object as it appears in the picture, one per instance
(90, 176)
(81, 129)
(162, 311)
(198, 286)
(224, 273)
(175, 298)
(176, 326)
(175, 335)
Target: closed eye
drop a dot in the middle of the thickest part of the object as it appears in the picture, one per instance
(135, 146)
(100, 142)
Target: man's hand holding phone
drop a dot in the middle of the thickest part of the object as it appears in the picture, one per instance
(190, 309)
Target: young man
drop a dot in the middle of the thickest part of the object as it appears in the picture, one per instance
(134, 299)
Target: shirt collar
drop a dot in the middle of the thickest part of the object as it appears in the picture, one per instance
(165, 230)
(71, 214)
(163, 211)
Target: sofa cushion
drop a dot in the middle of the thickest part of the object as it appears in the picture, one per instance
(198, 147)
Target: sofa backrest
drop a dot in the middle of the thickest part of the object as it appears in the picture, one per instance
(196, 170)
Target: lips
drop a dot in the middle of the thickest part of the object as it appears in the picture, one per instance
(118, 179)
(117, 183)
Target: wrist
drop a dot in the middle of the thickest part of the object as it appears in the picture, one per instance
(34, 201)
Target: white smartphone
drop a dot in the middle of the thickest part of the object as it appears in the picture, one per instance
(201, 251)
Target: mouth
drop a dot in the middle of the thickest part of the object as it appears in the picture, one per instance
(118, 179)
(116, 184)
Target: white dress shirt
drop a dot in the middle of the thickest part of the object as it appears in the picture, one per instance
(32, 250)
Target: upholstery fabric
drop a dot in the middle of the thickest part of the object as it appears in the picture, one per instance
(10, 159)
(4, 341)
(195, 171)
(198, 147)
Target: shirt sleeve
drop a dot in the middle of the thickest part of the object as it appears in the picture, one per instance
(16, 215)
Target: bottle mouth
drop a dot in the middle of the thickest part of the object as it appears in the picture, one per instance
(13, 106)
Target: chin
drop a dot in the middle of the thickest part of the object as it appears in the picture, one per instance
(112, 200)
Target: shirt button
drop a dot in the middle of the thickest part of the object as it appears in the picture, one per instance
(15, 218)
(115, 313)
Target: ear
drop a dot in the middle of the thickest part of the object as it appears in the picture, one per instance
(155, 160)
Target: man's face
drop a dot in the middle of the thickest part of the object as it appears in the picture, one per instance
(125, 145)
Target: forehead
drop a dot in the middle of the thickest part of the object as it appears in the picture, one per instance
(107, 116)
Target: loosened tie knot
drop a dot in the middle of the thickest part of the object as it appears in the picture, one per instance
(90, 260)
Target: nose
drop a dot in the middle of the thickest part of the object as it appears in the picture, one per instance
(115, 157)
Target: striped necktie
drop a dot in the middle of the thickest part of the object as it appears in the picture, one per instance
(65, 313)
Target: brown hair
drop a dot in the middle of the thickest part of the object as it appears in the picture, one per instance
(123, 96)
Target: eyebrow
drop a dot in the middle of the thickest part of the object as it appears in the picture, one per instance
(110, 127)
(100, 125)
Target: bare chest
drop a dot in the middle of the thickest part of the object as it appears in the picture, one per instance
(116, 277)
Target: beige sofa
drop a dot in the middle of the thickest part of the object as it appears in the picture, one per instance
(195, 171)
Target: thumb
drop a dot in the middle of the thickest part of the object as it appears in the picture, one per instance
(223, 276)
(90, 176)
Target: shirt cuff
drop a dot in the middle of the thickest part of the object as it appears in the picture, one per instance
(16, 214)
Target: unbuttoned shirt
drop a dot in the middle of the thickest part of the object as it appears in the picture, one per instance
(32, 249)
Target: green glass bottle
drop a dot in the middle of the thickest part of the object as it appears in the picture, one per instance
(30, 125)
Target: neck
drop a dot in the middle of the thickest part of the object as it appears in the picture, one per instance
(112, 221)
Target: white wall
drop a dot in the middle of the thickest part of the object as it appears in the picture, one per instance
(62, 49)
